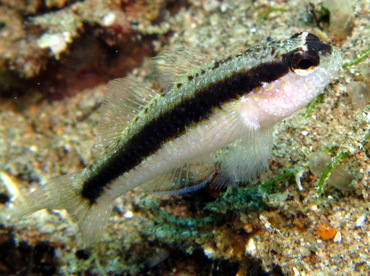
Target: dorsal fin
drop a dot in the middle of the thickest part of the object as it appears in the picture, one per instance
(186, 178)
(168, 66)
(123, 100)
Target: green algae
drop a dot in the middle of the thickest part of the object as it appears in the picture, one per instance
(326, 174)
(319, 16)
(360, 58)
(312, 105)
(247, 199)
(185, 231)
(266, 13)
(268, 186)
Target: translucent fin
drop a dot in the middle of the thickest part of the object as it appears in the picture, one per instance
(244, 159)
(123, 100)
(168, 66)
(60, 193)
(187, 178)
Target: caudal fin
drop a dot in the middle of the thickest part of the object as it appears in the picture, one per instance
(61, 193)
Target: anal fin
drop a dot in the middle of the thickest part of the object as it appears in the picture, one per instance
(187, 178)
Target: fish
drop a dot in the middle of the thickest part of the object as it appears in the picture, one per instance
(212, 123)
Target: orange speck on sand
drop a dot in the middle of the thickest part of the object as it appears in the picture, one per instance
(326, 232)
(59, 131)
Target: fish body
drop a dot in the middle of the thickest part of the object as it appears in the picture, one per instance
(212, 122)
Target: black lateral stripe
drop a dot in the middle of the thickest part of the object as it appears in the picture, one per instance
(173, 123)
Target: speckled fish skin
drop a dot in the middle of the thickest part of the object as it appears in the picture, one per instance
(220, 112)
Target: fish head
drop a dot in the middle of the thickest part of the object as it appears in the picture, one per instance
(304, 65)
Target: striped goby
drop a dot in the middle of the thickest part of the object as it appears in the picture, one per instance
(212, 123)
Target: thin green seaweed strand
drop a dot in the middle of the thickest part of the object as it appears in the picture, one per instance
(312, 105)
(286, 173)
(364, 55)
(326, 174)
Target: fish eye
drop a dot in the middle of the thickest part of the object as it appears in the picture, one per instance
(304, 62)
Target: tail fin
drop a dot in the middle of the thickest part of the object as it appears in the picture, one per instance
(61, 193)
